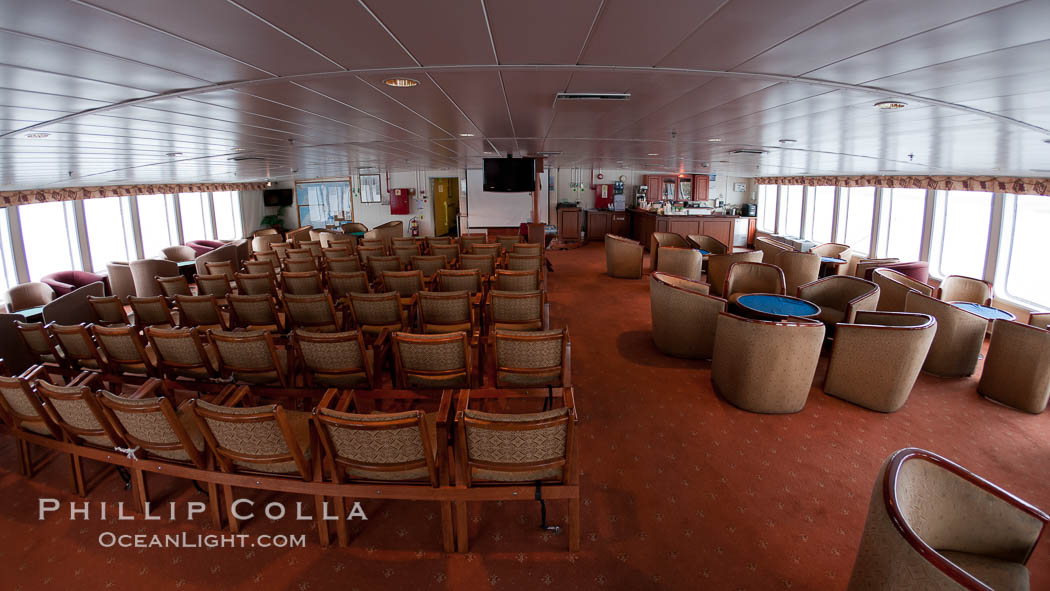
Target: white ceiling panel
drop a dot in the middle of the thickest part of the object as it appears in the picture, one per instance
(630, 33)
(438, 33)
(540, 31)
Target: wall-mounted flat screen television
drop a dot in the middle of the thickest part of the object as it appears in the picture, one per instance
(510, 175)
(277, 197)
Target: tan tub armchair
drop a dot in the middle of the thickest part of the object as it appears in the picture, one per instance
(894, 288)
(709, 243)
(876, 359)
(836, 250)
(960, 336)
(1039, 320)
(145, 273)
(178, 253)
(29, 295)
(957, 288)
(121, 280)
(861, 266)
(718, 267)
(623, 257)
(684, 316)
(763, 366)
(684, 262)
(932, 525)
(771, 248)
(840, 297)
(660, 240)
(744, 278)
(799, 268)
(1017, 367)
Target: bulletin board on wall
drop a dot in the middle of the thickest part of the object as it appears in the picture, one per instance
(486, 209)
(321, 203)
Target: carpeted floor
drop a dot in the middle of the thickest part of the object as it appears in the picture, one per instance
(681, 490)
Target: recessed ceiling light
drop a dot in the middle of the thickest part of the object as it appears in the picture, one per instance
(401, 82)
(37, 135)
(714, 139)
(173, 154)
(787, 141)
(240, 150)
(890, 105)
(466, 135)
(652, 154)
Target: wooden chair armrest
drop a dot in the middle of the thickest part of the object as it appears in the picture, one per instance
(235, 397)
(462, 402)
(34, 372)
(87, 378)
(326, 399)
(146, 389)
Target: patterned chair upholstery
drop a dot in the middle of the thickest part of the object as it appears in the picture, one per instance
(256, 283)
(339, 250)
(684, 316)
(718, 267)
(78, 413)
(447, 311)
(224, 252)
(957, 288)
(449, 251)
(935, 526)
(659, 240)
(314, 246)
(517, 310)
(156, 428)
(378, 265)
(349, 264)
(124, 350)
(459, 280)
(524, 262)
(226, 268)
(684, 262)
(214, 285)
(1017, 366)
(405, 283)
(312, 312)
(532, 249)
(709, 243)
(840, 297)
(433, 361)
(429, 264)
(295, 264)
(623, 257)
(531, 359)
(763, 366)
(281, 249)
(370, 240)
(744, 278)
(382, 447)
(507, 241)
(1039, 319)
(374, 312)
(302, 283)
(338, 360)
(23, 411)
(894, 287)
(179, 253)
(517, 280)
(78, 346)
(404, 254)
(298, 235)
(960, 336)
(770, 248)
(173, 286)
(799, 268)
(403, 241)
(40, 344)
(876, 359)
(251, 357)
(201, 311)
(151, 311)
(266, 263)
(259, 439)
(255, 312)
(484, 248)
(343, 284)
(181, 353)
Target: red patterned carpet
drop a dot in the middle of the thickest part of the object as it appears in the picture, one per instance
(681, 490)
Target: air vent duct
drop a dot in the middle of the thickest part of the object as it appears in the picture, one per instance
(243, 158)
(748, 151)
(592, 96)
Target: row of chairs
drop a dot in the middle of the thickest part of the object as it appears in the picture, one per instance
(215, 438)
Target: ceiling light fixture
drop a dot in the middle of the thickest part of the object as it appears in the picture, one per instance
(269, 183)
(890, 105)
(173, 154)
(714, 139)
(787, 141)
(466, 135)
(240, 150)
(401, 82)
(652, 154)
(37, 135)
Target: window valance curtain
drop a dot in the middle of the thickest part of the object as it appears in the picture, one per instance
(8, 198)
(1020, 186)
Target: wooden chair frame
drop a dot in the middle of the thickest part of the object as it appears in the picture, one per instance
(187, 320)
(38, 355)
(237, 322)
(468, 358)
(380, 349)
(283, 373)
(83, 332)
(98, 301)
(145, 301)
(166, 367)
(292, 323)
(114, 363)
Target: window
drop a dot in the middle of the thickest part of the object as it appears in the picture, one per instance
(320, 202)
(961, 220)
(227, 215)
(820, 213)
(109, 232)
(8, 276)
(157, 223)
(49, 235)
(859, 206)
(370, 192)
(791, 210)
(196, 219)
(1021, 250)
(900, 223)
(767, 208)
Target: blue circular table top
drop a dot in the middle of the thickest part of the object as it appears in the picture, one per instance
(778, 305)
(985, 311)
(701, 251)
(832, 260)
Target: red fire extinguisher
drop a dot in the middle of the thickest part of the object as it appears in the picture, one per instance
(415, 227)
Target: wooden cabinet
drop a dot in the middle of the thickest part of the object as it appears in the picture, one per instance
(701, 187)
(644, 223)
(570, 224)
(720, 229)
(598, 223)
(619, 224)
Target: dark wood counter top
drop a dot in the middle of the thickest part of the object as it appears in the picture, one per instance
(719, 226)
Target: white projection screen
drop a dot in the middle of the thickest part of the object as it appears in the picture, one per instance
(500, 210)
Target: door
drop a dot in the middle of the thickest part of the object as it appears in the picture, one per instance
(446, 204)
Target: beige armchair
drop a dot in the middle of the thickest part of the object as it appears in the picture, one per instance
(960, 336)
(771, 248)
(29, 295)
(1039, 319)
(718, 267)
(744, 278)
(876, 359)
(684, 262)
(684, 316)
(266, 232)
(226, 252)
(387, 232)
(799, 268)
(145, 273)
(660, 240)
(297, 235)
(353, 227)
(709, 243)
(840, 297)
(764, 366)
(932, 525)
(121, 281)
(623, 257)
(262, 243)
(836, 250)
(957, 288)
(178, 253)
(1017, 367)
(894, 288)
(864, 265)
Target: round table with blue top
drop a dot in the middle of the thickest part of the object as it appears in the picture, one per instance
(986, 312)
(829, 265)
(775, 306)
(702, 251)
